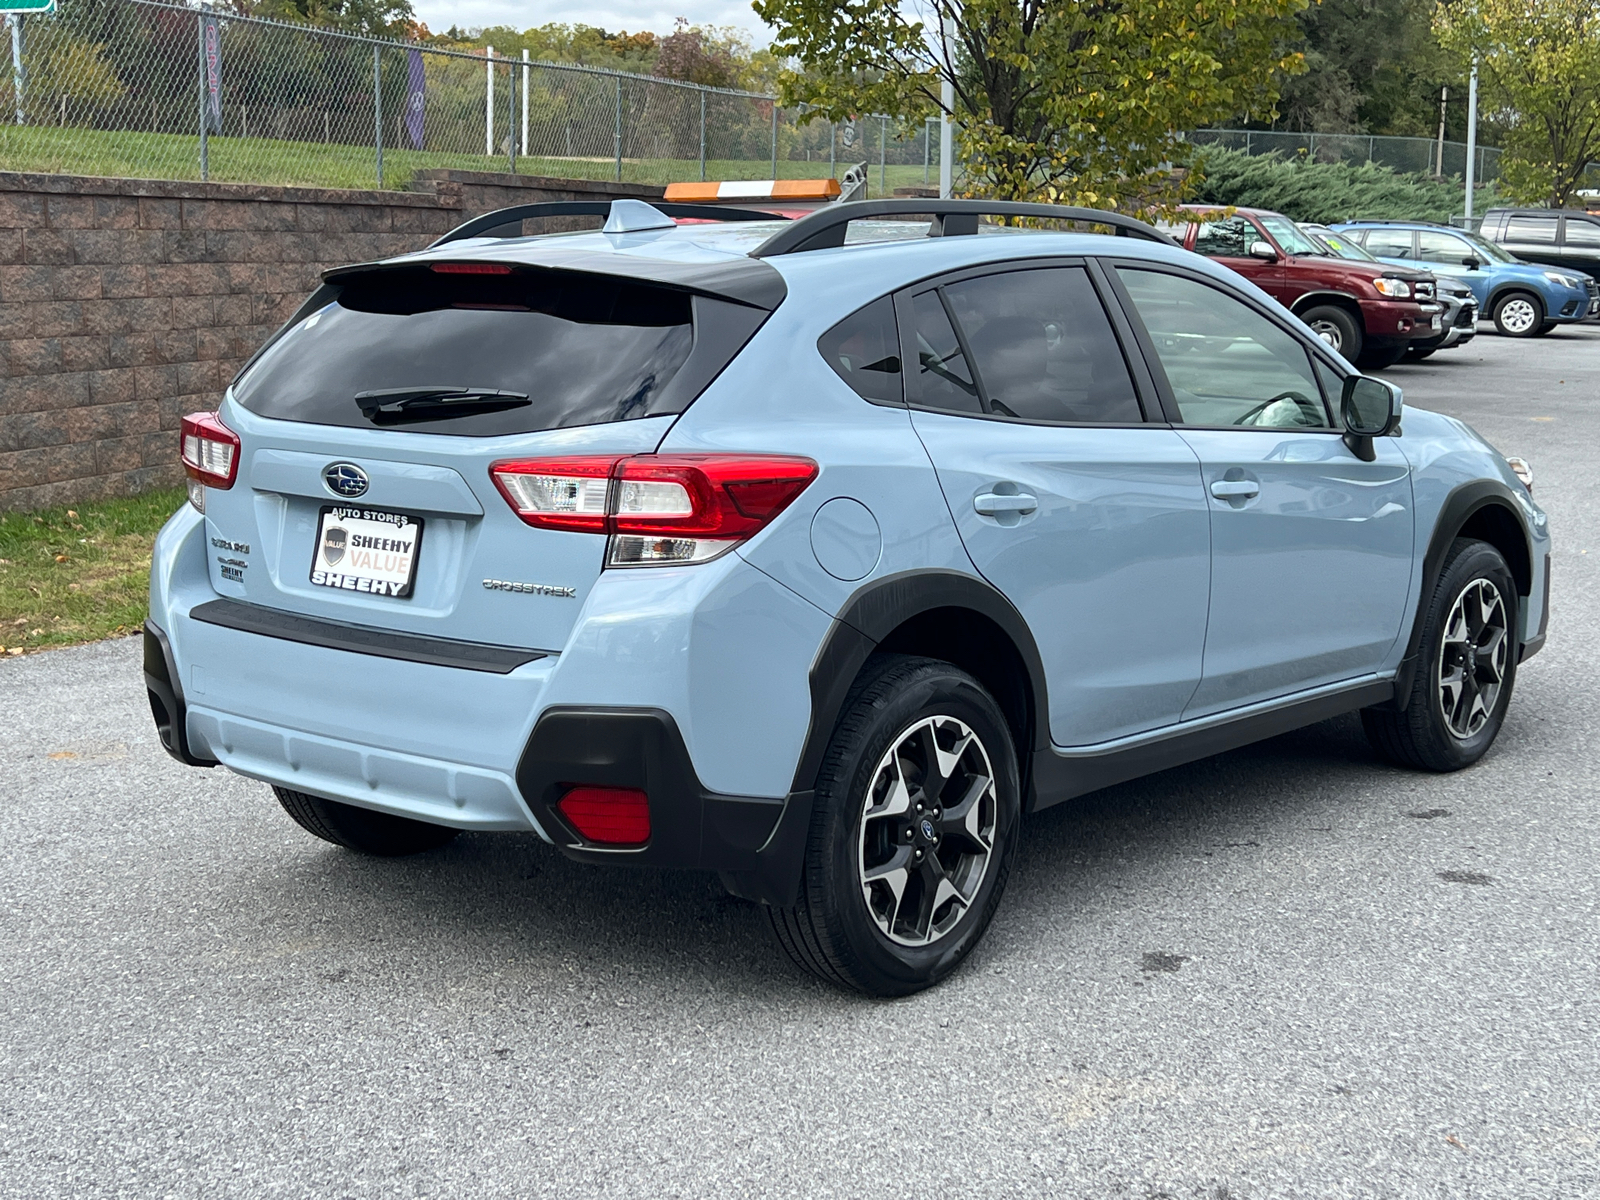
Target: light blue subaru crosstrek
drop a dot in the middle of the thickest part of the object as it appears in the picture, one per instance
(815, 553)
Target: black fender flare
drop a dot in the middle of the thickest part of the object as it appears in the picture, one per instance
(871, 614)
(1458, 508)
(1515, 285)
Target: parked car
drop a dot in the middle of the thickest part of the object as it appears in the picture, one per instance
(1567, 239)
(1368, 312)
(739, 548)
(1459, 306)
(1522, 299)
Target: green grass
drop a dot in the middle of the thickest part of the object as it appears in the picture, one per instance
(74, 151)
(78, 574)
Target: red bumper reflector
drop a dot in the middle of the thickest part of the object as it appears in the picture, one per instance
(610, 816)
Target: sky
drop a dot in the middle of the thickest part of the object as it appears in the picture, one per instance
(614, 15)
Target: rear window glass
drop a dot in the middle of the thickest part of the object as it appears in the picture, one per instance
(477, 354)
(864, 349)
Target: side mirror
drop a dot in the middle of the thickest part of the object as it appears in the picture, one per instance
(1371, 409)
(1471, 262)
(1263, 250)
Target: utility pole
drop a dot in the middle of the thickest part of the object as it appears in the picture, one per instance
(947, 98)
(18, 76)
(488, 103)
(1444, 98)
(1472, 135)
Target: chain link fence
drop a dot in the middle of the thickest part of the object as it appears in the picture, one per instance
(1409, 154)
(146, 89)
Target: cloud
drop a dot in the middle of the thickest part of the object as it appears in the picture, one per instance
(614, 15)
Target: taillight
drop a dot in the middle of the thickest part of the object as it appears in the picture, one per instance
(613, 816)
(660, 509)
(210, 452)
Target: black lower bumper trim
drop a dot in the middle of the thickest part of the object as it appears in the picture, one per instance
(166, 698)
(756, 844)
(364, 639)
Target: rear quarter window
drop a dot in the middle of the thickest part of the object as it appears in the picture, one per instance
(582, 349)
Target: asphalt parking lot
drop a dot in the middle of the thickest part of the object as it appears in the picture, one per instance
(1256, 976)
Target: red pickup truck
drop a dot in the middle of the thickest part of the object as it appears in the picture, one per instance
(1368, 312)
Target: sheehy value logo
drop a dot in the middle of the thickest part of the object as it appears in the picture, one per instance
(334, 540)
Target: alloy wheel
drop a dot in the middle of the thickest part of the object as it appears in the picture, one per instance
(1518, 315)
(1329, 333)
(1472, 658)
(927, 830)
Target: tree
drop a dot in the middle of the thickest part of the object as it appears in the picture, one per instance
(1075, 100)
(1539, 65)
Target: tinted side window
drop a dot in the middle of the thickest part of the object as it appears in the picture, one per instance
(1539, 231)
(1227, 238)
(1442, 248)
(1389, 243)
(865, 350)
(1583, 233)
(943, 378)
(1044, 347)
(1227, 364)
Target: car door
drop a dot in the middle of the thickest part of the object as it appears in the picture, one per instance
(1443, 253)
(1229, 240)
(1310, 545)
(1089, 518)
(1580, 248)
(1533, 237)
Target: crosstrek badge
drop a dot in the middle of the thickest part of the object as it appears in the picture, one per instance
(366, 550)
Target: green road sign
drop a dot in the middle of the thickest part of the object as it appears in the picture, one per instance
(27, 6)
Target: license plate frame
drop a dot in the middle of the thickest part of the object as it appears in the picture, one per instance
(364, 577)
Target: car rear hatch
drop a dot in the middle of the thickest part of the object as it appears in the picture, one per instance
(367, 431)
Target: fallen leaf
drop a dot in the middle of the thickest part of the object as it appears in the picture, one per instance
(59, 754)
(71, 515)
(1451, 1139)
(61, 558)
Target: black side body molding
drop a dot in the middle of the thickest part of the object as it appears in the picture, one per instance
(362, 639)
(1061, 777)
(166, 698)
(755, 843)
(1457, 509)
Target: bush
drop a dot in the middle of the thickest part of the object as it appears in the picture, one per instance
(1315, 191)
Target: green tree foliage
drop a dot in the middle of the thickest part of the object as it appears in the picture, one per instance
(1372, 66)
(1313, 191)
(1539, 63)
(380, 18)
(1076, 101)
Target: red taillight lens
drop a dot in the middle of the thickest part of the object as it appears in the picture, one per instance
(611, 816)
(558, 493)
(659, 508)
(210, 450)
(470, 268)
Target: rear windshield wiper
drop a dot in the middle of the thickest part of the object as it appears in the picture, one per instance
(439, 402)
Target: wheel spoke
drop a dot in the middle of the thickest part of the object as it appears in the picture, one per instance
(894, 875)
(897, 799)
(966, 815)
(1492, 653)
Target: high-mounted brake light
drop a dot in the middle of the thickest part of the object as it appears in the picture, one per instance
(210, 453)
(612, 816)
(471, 268)
(660, 509)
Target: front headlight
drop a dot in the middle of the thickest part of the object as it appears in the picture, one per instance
(1399, 289)
(1563, 280)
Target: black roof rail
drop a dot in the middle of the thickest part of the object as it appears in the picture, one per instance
(486, 225)
(825, 228)
(1396, 221)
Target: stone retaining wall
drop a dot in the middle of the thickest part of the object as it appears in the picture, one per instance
(126, 303)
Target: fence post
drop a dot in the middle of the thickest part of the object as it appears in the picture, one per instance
(511, 115)
(377, 114)
(774, 139)
(927, 149)
(488, 102)
(200, 42)
(19, 76)
(883, 149)
(619, 129)
(526, 71)
(702, 135)
(833, 150)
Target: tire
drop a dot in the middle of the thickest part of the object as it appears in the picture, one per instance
(362, 829)
(858, 932)
(1337, 327)
(1376, 359)
(1437, 732)
(1518, 314)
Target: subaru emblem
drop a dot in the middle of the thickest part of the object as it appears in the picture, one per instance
(345, 479)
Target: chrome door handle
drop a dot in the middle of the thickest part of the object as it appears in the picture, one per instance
(1235, 489)
(990, 504)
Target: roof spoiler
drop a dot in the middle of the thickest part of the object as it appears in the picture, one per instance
(507, 222)
(826, 227)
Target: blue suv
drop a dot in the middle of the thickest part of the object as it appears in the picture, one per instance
(815, 553)
(1523, 299)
